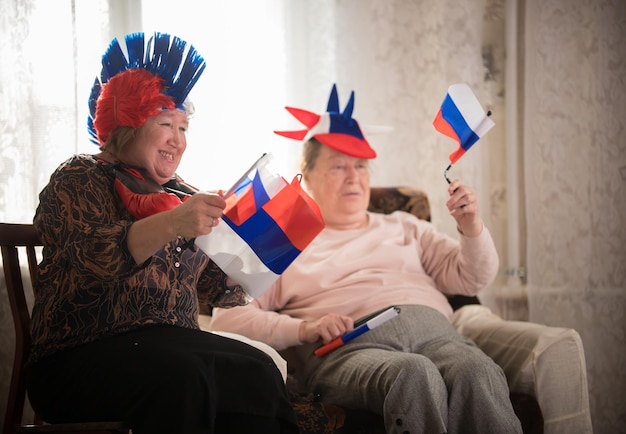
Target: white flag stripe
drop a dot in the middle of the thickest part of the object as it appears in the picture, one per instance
(382, 318)
(235, 257)
(272, 183)
(484, 126)
(470, 108)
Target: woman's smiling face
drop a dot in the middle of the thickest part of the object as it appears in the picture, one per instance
(159, 145)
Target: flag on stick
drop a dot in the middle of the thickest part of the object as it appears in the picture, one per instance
(266, 224)
(462, 118)
(358, 330)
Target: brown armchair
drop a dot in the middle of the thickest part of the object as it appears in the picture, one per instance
(318, 417)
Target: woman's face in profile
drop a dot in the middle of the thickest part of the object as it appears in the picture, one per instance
(159, 145)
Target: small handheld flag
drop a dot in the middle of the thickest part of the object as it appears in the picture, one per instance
(462, 118)
(241, 182)
(377, 320)
(266, 224)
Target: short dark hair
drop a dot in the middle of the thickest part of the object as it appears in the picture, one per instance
(310, 153)
(118, 138)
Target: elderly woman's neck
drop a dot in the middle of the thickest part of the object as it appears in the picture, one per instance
(108, 156)
(359, 221)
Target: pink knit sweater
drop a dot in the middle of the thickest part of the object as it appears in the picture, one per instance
(397, 259)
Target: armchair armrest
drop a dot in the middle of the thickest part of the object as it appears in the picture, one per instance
(545, 362)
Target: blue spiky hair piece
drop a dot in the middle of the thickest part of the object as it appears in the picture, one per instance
(172, 59)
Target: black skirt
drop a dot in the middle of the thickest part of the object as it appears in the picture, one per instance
(164, 379)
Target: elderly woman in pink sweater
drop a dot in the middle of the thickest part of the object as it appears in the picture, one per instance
(414, 369)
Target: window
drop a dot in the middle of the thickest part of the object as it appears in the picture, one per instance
(55, 50)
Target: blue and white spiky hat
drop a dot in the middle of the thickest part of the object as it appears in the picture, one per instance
(335, 129)
(158, 73)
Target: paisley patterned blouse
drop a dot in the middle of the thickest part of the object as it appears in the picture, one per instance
(89, 286)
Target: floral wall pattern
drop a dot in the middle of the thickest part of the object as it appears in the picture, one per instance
(575, 164)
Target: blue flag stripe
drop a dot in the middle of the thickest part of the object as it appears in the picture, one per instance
(267, 240)
(451, 113)
(260, 195)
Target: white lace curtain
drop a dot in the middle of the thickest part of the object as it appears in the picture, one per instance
(51, 54)
(550, 175)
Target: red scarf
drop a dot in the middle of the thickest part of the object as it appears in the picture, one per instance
(142, 196)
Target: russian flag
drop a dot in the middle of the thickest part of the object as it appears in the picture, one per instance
(266, 224)
(462, 118)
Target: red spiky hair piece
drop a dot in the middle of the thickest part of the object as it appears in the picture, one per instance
(128, 99)
(174, 68)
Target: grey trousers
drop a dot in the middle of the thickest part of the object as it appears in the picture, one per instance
(420, 374)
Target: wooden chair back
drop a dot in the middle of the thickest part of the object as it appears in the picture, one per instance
(13, 238)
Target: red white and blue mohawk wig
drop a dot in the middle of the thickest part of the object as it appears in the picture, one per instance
(156, 75)
(337, 130)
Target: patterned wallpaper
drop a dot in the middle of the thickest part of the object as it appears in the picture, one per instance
(399, 56)
(575, 160)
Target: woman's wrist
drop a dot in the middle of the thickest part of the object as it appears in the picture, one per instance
(230, 285)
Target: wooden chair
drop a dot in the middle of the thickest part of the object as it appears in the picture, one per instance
(14, 237)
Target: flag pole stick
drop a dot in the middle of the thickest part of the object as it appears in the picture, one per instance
(445, 173)
(245, 174)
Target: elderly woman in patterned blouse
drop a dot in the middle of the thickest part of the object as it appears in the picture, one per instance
(115, 332)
